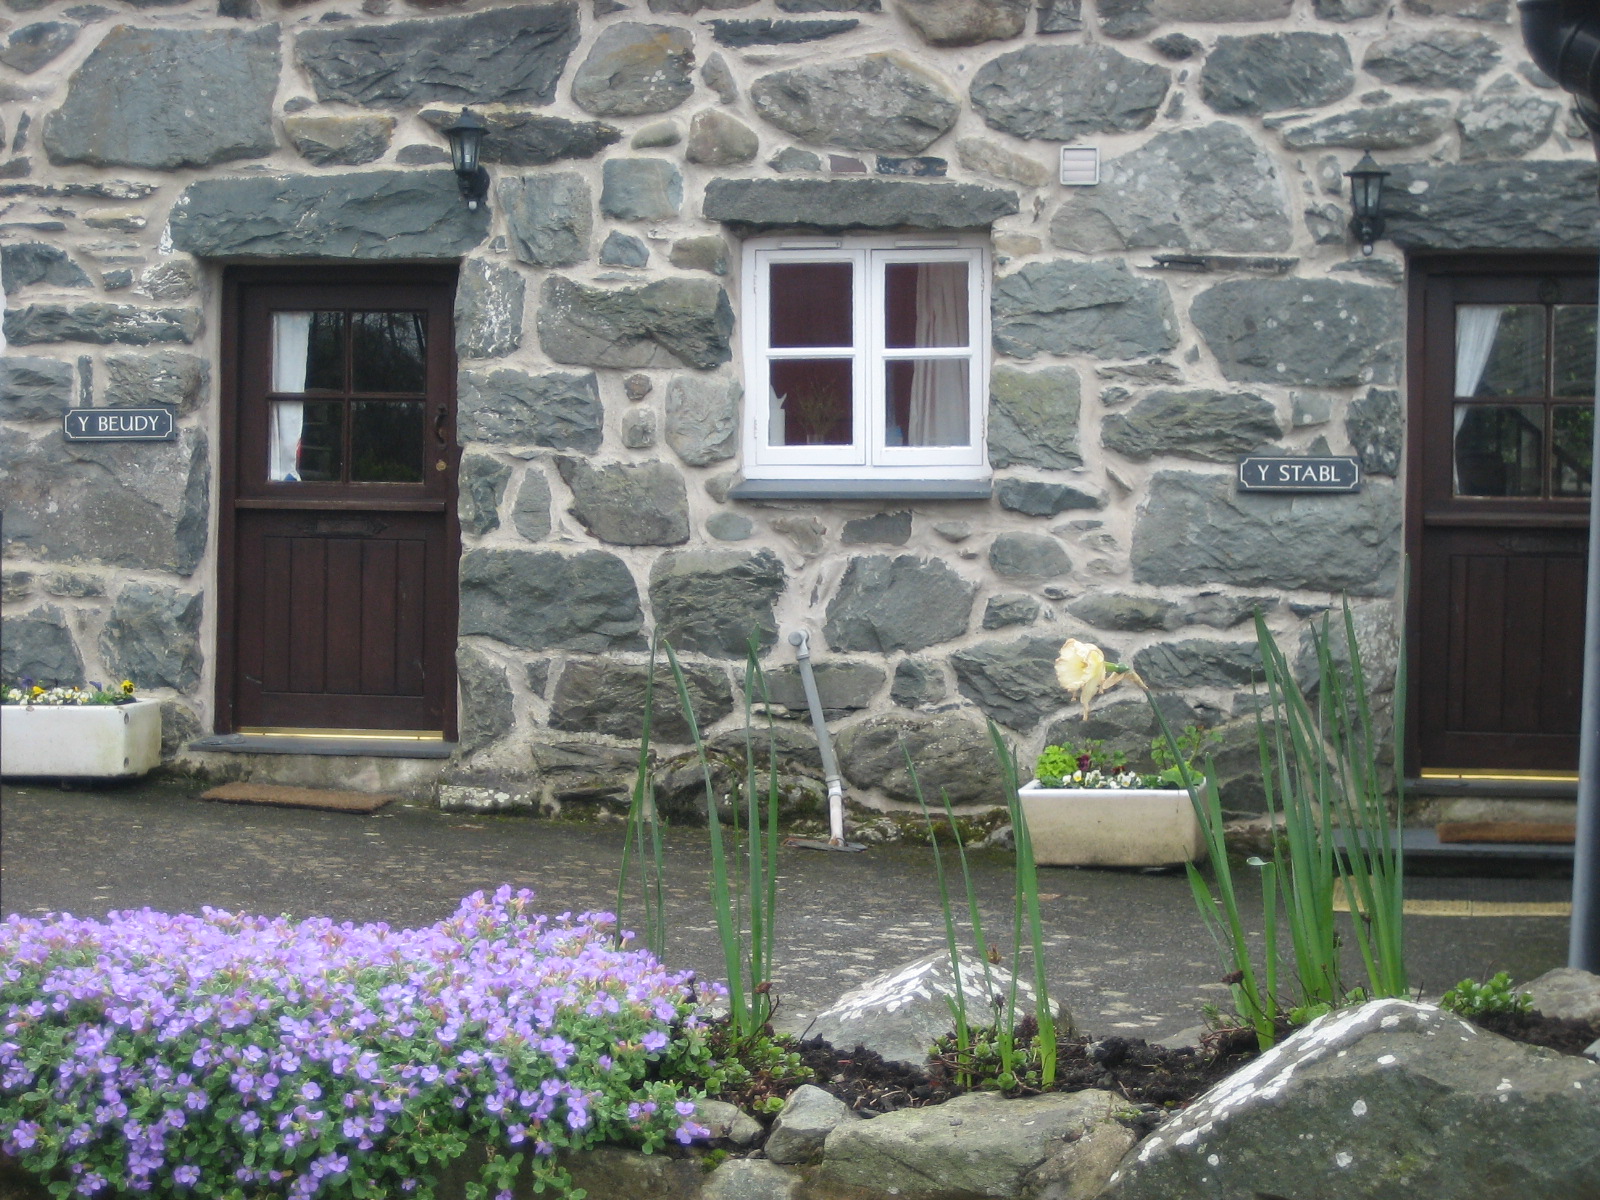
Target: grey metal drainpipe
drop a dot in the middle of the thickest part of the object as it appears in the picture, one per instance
(1563, 36)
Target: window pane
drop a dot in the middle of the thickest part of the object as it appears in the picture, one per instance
(305, 441)
(307, 352)
(1499, 450)
(927, 402)
(1500, 350)
(386, 441)
(388, 350)
(925, 304)
(812, 304)
(1572, 448)
(1574, 338)
(811, 402)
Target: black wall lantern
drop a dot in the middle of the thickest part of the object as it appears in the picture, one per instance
(466, 139)
(1366, 201)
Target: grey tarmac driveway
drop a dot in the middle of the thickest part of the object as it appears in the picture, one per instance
(1126, 951)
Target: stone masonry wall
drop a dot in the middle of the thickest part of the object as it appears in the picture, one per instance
(632, 143)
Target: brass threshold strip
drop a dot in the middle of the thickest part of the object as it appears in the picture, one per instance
(1466, 908)
(1503, 776)
(374, 735)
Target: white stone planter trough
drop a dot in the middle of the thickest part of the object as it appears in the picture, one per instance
(1111, 827)
(80, 741)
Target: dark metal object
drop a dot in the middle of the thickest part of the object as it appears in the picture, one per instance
(466, 140)
(1366, 201)
(1563, 36)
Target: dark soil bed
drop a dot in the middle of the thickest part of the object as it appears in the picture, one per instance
(1153, 1079)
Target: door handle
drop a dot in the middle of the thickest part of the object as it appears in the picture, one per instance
(439, 423)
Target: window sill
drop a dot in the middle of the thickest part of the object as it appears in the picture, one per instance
(862, 489)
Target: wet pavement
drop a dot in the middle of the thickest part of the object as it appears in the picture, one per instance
(1125, 950)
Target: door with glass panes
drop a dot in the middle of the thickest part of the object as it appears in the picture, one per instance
(341, 515)
(1502, 417)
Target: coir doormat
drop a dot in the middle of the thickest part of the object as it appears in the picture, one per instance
(281, 796)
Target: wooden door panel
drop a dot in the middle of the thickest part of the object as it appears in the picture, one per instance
(1501, 638)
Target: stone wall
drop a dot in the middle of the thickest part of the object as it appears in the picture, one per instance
(632, 144)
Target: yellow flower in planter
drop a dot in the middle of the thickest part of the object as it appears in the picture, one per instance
(1082, 669)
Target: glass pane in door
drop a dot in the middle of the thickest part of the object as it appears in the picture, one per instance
(1499, 450)
(305, 441)
(1499, 350)
(1573, 372)
(388, 351)
(386, 441)
(1571, 449)
(307, 352)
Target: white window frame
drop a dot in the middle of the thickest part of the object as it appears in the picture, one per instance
(868, 457)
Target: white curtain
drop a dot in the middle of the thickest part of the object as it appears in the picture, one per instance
(291, 348)
(938, 414)
(1476, 326)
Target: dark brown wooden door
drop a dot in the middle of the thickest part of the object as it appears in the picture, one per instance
(1502, 416)
(343, 534)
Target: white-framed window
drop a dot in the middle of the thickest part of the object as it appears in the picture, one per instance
(866, 358)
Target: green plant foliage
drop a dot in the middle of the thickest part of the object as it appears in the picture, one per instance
(1471, 998)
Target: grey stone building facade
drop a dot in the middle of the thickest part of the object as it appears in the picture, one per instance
(623, 446)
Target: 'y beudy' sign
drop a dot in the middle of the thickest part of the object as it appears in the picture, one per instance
(154, 424)
(1322, 473)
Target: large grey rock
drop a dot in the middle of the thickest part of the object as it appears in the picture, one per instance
(1348, 10)
(1203, 424)
(1377, 643)
(557, 410)
(1198, 663)
(709, 254)
(339, 141)
(23, 264)
(487, 704)
(1124, 613)
(1060, 16)
(1010, 608)
(543, 600)
(1013, 682)
(366, 214)
(952, 754)
(158, 377)
(1566, 992)
(615, 1171)
(702, 418)
(597, 695)
(669, 323)
(1028, 556)
(628, 504)
(634, 68)
(153, 637)
(623, 250)
(1033, 418)
(903, 603)
(489, 303)
(1222, 11)
(977, 1145)
(1384, 127)
(499, 56)
(1491, 206)
(550, 216)
(33, 46)
(839, 204)
(801, 1127)
(1376, 429)
(718, 140)
(1098, 308)
(1316, 332)
(482, 487)
(1041, 498)
(100, 324)
(130, 504)
(1127, 18)
(39, 647)
(965, 22)
(884, 529)
(34, 389)
(641, 189)
(1434, 58)
(1269, 72)
(843, 686)
(1496, 11)
(1207, 189)
(918, 682)
(763, 31)
(166, 98)
(1505, 121)
(883, 102)
(981, 154)
(1386, 1099)
(1063, 93)
(750, 1179)
(1196, 529)
(519, 138)
(728, 1122)
(715, 601)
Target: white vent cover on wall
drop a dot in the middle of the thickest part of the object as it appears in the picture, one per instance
(1080, 165)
